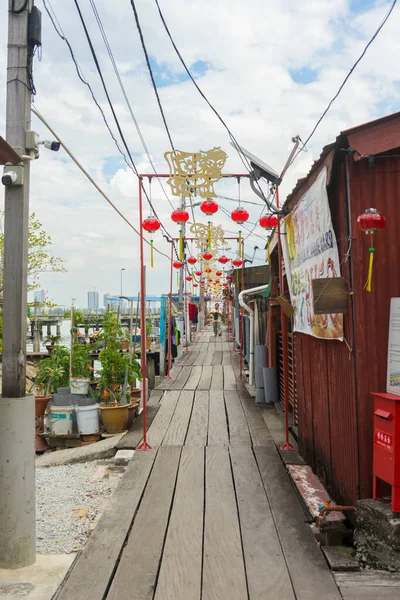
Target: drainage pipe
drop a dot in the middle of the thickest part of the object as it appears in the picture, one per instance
(247, 308)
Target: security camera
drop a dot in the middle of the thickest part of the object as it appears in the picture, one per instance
(12, 175)
(54, 146)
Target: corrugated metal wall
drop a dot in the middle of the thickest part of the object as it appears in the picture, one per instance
(334, 379)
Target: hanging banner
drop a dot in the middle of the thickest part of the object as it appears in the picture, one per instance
(310, 252)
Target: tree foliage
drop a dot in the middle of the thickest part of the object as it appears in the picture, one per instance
(40, 256)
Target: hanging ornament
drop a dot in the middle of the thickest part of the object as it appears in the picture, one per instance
(195, 285)
(207, 255)
(369, 222)
(189, 278)
(229, 278)
(151, 224)
(208, 270)
(219, 273)
(209, 235)
(239, 215)
(192, 260)
(209, 207)
(237, 262)
(268, 221)
(180, 216)
(202, 281)
(177, 264)
(209, 280)
(240, 245)
(223, 259)
(199, 273)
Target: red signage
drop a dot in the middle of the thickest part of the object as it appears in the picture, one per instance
(384, 440)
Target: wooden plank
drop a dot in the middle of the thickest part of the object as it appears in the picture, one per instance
(259, 433)
(217, 425)
(223, 570)
(200, 358)
(368, 578)
(158, 429)
(217, 381)
(226, 358)
(218, 346)
(94, 567)
(226, 347)
(137, 570)
(363, 592)
(205, 381)
(267, 574)
(229, 378)
(194, 378)
(238, 429)
(209, 356)
(217, 358)
(166, 384)
(178, 427)
(308, 570)
(180, 573)
(198, 427)
(182, 378)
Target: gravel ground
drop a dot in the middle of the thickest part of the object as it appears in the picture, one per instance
(69, 499)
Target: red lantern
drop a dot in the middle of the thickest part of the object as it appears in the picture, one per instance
(239, 215)
(189, 278)
(229, 277)
(202, 281)
(192, 260)
(268, 221)
(195, 285)
(199, 273)
(218, 273)
(180, 215)
(225, 285)
(237, 262)
(223, 259)
(371, 220)
(209, 280)
(177, 264)
(208, 270)
(216, 281)
(209, 207)
(151, 224)
(207, 256)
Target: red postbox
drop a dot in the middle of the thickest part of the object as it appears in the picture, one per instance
(386, 465)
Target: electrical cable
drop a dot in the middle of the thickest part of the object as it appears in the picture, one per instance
(117, 123)
(78, 164)
(345, 79)
(121, 84)
(151, 72)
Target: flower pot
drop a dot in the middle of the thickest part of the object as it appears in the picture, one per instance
(148, 343)
(50, 349)
(136, 393)
(41, 403)
(79, 385)
(124, 345)
(114, 418)
(132, 412)
(62, 419)
(88, 419)
(93, 385)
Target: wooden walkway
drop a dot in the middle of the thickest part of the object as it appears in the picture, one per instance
(209, 513)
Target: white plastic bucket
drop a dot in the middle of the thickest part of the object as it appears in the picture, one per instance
(88, 419)
(79, 385)
(61, 418)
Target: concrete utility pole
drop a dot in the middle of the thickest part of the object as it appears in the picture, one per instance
(182, 271)
(17, 410)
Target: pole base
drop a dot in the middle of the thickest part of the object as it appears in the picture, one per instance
(144, 446)
(167, 377)
(287, 446)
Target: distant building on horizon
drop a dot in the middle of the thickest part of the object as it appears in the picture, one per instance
(93, 300)
(40, 296)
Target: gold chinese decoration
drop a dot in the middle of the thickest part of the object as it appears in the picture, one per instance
(201, 234)
(194, 174)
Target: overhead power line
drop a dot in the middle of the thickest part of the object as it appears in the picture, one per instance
(78, 164)
(121, 84)
(345, 80)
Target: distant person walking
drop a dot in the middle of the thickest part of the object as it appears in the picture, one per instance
(216, 316)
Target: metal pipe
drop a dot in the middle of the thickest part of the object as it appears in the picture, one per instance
(243, 304)
(170, 316)
(144, 445)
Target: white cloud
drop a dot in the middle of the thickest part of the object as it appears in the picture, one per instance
(253, 48)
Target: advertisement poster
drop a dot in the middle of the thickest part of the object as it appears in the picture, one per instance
(393, 367)
(310, 252)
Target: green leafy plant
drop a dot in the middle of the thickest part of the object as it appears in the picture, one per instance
(53, 340)
(53, 372)
(149, 329)
(81, 363)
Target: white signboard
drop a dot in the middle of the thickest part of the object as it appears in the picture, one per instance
(393, 364)
(310, 252)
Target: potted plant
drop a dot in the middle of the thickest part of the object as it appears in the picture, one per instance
(51, 342)
(81, 369)
(124, 341)
(118, 371)
(47, 379)
(149, 328)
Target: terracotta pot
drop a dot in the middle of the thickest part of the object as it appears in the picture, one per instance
(50, 349)
(136, 393)
(148, 343)
(114, 418)
(41, 403)
(93, 385)
(124, 345)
